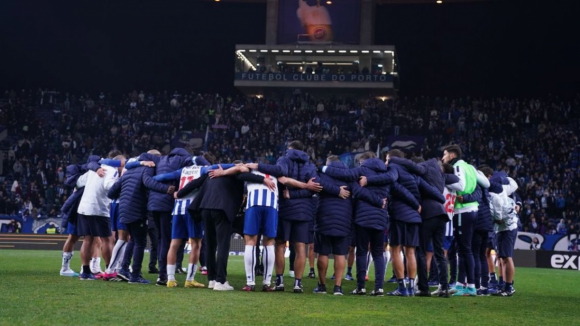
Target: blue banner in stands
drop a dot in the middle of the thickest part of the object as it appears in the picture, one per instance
(406, 143)
(280, 77)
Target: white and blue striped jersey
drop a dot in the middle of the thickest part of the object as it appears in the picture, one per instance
(260, 195)
(188, 174)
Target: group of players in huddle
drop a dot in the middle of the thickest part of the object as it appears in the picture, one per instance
(397, 209)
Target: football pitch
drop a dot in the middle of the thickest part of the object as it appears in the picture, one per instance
(33, 293)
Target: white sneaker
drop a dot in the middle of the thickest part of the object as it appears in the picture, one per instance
(211, 285)
(291, 273)
(436, 292)
(223, 287)
(68, 272)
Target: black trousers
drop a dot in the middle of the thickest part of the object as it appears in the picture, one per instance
(153, 233)
(478, 246)
(432, 229)
(138, 232)
(218, 232)
(163, 223)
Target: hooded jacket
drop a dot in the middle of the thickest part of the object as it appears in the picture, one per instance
(302, 203)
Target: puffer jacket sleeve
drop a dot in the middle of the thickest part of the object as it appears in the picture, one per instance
(409, 165)
(278, 170)
(430, 191)
(361, 193)
(329, 187)
(475, 196)
(115, 191)
(451, 179)
(151, 184)
(383, 179)
(348, 175)
(404, 195)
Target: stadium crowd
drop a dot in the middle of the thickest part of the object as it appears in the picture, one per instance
(533, 140)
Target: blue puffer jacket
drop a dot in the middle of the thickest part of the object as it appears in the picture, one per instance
(484, 219)
(176, 159)
(302, 203)
(431, 172)
(368, 209)
(334, 215)
(131, 190)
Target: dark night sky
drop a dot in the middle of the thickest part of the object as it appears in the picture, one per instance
(516, 48)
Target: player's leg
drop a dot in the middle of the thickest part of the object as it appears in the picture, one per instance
(195, 230)
(282, 236)
(68, 251)
(322, 246)
(252, 222)
(339, 250)
(178, 231)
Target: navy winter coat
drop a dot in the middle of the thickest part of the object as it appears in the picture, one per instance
(334, 214)
(369, 200)
(403, 207)
(132, 189)
(431, 172)
(302, 203)
(484, 219)
(175, 160)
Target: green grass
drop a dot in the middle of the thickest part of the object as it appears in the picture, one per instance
(32, 292)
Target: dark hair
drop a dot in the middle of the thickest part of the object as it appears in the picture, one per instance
(333, 158)
(454, 149)
(417, 159)
(296, 144)
(396, 153)
(238, 162)
(482, 166)
(486, 170)
(114, 153)
(447, 168)
(367, 155)
(209, 157)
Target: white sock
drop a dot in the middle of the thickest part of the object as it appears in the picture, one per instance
(96, 265)
(387, 255)
(121, 257)
(171, 272)
(471, 285)
(269, 261)
(191, 269)
(66, 258)
(369, 261)
(115, 255)
(250, 264)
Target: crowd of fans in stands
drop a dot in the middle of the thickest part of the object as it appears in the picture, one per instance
(534, 140)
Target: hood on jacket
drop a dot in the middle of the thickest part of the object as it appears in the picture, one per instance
(495, 187)
(433, 163)
(297, 156)
(500, 177)
(375, 164)
(72, 170)
(179, 152)
(338, 164)
(93, 158)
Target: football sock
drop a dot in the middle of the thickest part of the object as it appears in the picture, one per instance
(191, 269)
(401, 282)
(297, 282)
(412, 284)
(279, 279)
(86, 269)
(349, 270)
(269, 261)
(171, 272)
(250, 264)
(115, 255)
(66, 258)
(471, 285)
